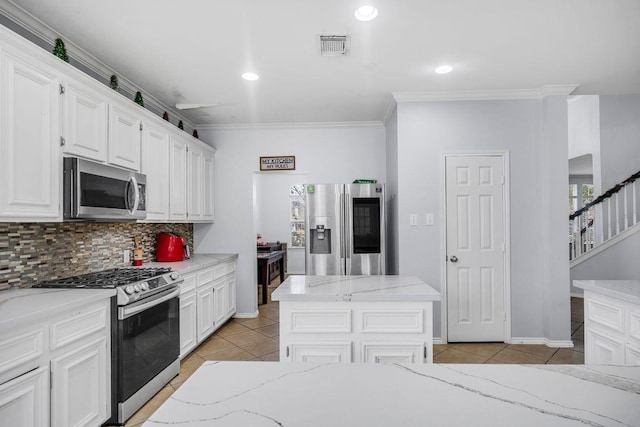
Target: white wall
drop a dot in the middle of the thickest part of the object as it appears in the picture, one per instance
(528, 130)
(619, 262)
(584, 125)
(327, 155)
(619, 138)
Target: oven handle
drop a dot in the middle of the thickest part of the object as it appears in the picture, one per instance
(126, 312)
(133, 183)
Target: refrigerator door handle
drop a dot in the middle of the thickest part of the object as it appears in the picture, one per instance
(347, 233)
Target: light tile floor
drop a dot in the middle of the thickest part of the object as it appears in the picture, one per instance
(257, 339)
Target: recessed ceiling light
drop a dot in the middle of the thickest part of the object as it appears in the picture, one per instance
(366, 13)
(250, 76)
(444, 69)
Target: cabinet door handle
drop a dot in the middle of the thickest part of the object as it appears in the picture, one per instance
(425, 352)
(287, 351)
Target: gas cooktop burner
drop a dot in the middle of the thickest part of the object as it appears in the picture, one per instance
(131, 284)
(106, 279)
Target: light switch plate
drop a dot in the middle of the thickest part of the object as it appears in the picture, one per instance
(413, 220)
(428, 219)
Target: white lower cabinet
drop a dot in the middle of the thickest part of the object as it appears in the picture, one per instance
(220, 300)
(375, 332)
(316, 352)
(71, 382)
(393, 352)
(205, 311)
(24, 401)
(207, 301)
(80, 386)
(611, 330)
(188, 325)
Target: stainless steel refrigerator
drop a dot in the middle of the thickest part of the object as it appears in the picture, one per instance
(345, 226)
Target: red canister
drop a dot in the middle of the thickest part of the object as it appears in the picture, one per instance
(170, 247)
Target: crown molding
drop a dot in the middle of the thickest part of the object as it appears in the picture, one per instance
(48, 35)
(306, 125)
(485, 95)
(388, 109)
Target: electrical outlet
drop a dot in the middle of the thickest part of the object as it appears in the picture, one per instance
(413, 220)
(126, 255)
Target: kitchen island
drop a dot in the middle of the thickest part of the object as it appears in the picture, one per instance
(611, 321)
(356, 319)
(298, 394)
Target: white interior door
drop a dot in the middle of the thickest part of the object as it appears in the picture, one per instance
(475, 214)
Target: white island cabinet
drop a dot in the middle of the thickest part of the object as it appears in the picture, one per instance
(611, 321)
(55, 357)
(345, 319)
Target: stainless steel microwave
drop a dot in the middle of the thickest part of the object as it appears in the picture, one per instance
(97, 192)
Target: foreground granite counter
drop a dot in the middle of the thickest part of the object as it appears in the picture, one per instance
(20, 307)
(611, 321)
(356, 319)
(291, 394)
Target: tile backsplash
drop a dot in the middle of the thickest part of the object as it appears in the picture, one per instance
(34, 252)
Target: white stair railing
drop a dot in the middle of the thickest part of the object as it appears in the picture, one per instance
(613, 212)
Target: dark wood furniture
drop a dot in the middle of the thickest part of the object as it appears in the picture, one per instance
(275, 247)
(270, 266)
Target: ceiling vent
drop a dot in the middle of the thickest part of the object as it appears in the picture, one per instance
(334, 44)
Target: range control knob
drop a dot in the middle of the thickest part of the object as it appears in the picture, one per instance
(144, 286)
(174, 275)
(136, 287)
(129, 290)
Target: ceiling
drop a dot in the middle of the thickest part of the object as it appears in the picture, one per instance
(194, 51)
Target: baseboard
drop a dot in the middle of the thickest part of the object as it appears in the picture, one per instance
(439, 341)
(246, 315)
(542, 341)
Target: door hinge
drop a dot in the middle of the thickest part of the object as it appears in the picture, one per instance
(62, 141)
(50, 378)
(140, 126)
(61, 89)
(504, 247)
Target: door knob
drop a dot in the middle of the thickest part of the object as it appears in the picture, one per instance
(453, 258)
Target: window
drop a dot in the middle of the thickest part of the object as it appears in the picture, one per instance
(297, 207)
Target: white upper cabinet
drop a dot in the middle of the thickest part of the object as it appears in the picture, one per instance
(49, 109)
(207, 185)
(29, 139)
(85, 120)
(155, 163)
(124, 136)
(178, 178)
(195, 182)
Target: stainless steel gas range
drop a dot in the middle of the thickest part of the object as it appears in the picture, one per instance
(145, 326)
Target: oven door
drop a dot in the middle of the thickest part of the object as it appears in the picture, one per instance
(148, 340)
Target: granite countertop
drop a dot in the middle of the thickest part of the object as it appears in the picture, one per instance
(290, 394)
(196, 262)
(23, 306)
(627, 290)
(20, 307)
(354, 288)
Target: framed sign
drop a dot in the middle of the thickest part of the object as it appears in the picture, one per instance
(277, 163)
